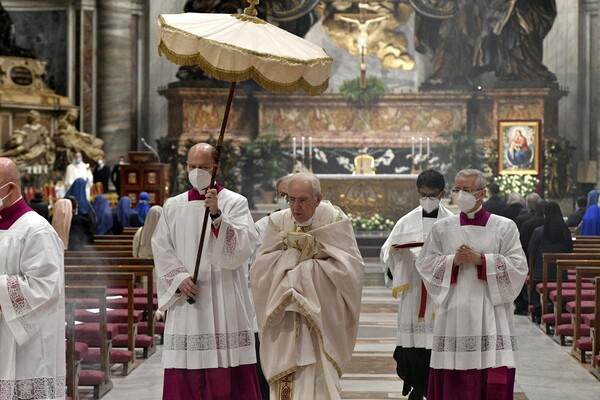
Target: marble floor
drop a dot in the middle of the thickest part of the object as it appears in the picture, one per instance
(546, 370)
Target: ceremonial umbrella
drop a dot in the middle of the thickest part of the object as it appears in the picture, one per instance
(236, 47)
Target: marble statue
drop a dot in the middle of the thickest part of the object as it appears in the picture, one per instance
(68, 138)
(30, 143)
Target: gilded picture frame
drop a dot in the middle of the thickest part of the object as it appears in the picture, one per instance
(519, 147)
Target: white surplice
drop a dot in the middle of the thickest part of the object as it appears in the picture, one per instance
(217, 330)
(32, 319)
(81, 170)
(412, 227)
(474, 323)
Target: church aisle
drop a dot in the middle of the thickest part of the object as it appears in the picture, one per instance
(546, 370)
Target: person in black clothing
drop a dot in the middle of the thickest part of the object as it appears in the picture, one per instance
(115, 175)
(80, 233)
(102, 173)
(514, 204)
(552, 237)
(529, 211)
(39, 205)
(494, 204)
(576, 216)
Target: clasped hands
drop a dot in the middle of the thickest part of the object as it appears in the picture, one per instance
(466, 254)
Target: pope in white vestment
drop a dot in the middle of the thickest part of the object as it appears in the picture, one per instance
(212, 340)
(416, 309)
(307, 283)
(79, 169)
(473, 267)
(32, 314)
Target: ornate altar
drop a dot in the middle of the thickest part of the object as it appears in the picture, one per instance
(389, 195)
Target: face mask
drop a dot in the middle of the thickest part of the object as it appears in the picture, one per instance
(78, 160)
(100, 163)
(429, 205)
(466, 201)
(121, 162)
(199, 178)
(2, 198)
(283, 203)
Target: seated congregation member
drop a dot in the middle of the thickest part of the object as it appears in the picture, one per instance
(122, 213)
(552, 237)
(473, 267)
(575, 217)
(104, 215)
(514, 205)
(139, 212)
(142, 245)
(85, 209)
(80, 232)
(590, 223)
(39, 205)
(61, 220)
(32, 298)
(307, 284)
(529, 210)
(494, 204)
(416, 310)
(209, 345)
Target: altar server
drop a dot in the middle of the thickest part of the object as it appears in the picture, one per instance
(416, 310)
(473, 267)
(209, 345)
(32, 314)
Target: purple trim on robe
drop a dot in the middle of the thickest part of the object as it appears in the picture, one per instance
(233, 383)
(480, 219)
(471, 384)
(193, 194)
(10, 215)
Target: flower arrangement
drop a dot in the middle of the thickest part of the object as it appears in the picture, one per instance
(523, 184)
(374, 223)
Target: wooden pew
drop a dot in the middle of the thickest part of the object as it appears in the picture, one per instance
(114, 242)
(100, 381)
(564, 265)
(595, 366)
(582, 272)
(104, 253)
(138, 270)
(549, 258)
(107, 247)
(73, 365)
(108, 280)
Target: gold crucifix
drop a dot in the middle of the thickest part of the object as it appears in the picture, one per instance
(362, 20)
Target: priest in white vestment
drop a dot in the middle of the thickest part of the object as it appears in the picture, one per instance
(416, 310)
(79, 169)
(32, 313)
(473, 267)
(208, 348)
(307, 284)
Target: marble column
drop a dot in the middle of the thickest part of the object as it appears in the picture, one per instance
(591, 10)
(114, 77)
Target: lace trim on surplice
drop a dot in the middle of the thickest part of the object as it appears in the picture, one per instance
(505, 288)
(23, 310)
(438, 276)
(465, 344)
(416, 327)
(33, 388)
(167, 279)
(230, 243)
(209, 341)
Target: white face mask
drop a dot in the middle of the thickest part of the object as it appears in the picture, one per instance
(199, 178)
(78, 160)
(2, 198)
(429, 205)
(466, 201)
(101, 163)
(283, 203)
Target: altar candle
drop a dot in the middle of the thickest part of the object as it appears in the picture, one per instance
(412, 153)
(302, 146)
(310, 146)
(293, 147)
(421, 145)
(428, 140)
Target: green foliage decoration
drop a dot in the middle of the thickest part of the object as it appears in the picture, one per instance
(373, 223)
(351, 90)
(523, 184)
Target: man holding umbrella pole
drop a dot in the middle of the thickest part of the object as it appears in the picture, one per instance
(209, 343)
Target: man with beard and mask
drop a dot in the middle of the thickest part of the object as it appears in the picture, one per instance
(416, 311)
(473, 267)
(209, 345)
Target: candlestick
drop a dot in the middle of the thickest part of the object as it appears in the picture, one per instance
(428, 149)
(421, 145)
(293, 155)
(412, 153)
(310, 154)
(302, 153)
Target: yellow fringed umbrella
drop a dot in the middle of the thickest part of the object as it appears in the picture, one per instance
(238, 47)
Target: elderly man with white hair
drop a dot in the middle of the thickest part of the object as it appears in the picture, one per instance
(473, 266)
(307, 284)
(32, 302)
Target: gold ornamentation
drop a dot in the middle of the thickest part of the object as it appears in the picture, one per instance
(152, 178)
(400, 289)
(249, 18)
(132, 178)
(250, 10)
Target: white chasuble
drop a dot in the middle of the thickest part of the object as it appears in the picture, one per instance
(413, 330)
(307, 285)
(32, 319)
(217, 330)
(474, 322)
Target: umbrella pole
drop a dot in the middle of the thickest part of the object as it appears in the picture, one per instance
(212, 184)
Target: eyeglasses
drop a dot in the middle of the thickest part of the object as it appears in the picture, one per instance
(192, 167)
(300, 201)
(467, 190)
(280, 195)
(424, 196)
